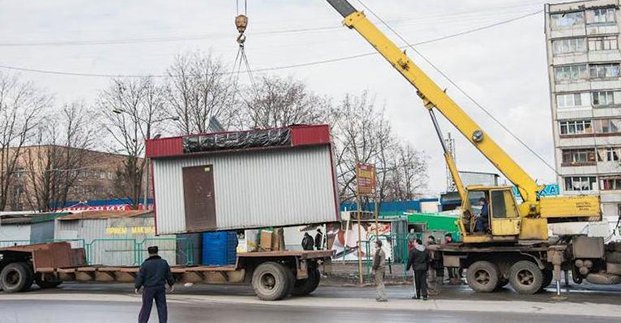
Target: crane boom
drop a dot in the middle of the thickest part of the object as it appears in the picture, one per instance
(434, 97)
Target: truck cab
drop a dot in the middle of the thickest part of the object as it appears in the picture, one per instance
(503, 220)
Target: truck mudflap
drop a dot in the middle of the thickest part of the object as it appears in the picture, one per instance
(603, 279)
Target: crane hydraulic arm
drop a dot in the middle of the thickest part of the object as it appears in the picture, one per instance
(434, 97)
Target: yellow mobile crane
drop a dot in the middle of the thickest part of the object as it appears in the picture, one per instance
(516, 248)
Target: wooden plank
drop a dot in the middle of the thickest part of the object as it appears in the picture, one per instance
(214, 269)
(45, 270)
(66, 270)
(288, 253)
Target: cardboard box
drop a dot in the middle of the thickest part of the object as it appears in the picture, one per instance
(266, 240)
(278, 240)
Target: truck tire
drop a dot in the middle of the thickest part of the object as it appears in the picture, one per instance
(270, 281)
(548, 276)
(47, 282)
(306, 286)
(526, 277)
(483, 276)
(16, 277)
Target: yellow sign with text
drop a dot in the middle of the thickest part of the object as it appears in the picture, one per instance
(118, 231)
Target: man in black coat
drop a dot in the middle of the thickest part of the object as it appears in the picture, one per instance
(419, 262)
(154, 274)
(307, 242)
(319, 240)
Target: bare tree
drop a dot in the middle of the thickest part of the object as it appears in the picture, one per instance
(407, 174)
(362, 134)
(20, 107)
(135, 111)
(199, 88)
(58, 156)
(279, 102)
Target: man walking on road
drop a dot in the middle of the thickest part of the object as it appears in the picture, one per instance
(419, 262)
(154, 274)
(379, 270)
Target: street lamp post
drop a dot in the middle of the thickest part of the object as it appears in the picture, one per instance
(147, 137)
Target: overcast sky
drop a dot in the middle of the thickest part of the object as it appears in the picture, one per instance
(504, 67)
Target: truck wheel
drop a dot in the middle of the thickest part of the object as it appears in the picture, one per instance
(548, 276)
(482, 276)
(16, 277)
(525, 277)
(306, 286)
(270, 281)
(47, 282)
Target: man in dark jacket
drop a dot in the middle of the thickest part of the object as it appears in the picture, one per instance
(307, 242)
(154, 274)
(319, 239)
(482, 224)
(419, 262)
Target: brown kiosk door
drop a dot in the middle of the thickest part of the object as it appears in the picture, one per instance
(199, 198)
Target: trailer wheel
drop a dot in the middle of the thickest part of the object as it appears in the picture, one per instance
(548, 276)
(16, 277)
(526, 277)
(47, 282)
(270, 281)
(483, 276)
(306, 286)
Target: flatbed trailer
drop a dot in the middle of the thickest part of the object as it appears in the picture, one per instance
(273, 275)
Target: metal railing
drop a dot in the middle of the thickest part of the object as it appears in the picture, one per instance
(12, 243)
(125, 251)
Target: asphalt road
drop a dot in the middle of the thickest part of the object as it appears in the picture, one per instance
(97, 302)
(576, 293)
(51, 311)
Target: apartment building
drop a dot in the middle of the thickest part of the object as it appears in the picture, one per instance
(585, 88)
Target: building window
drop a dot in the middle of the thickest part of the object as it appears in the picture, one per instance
(601, 15)
(570, 73)
(568, 46)
(603, 43)
(578, 157)
(607, 125)
(608, 154)
(600, 71)
(569, 100)
(576, 127)
(579, 183)
(603, 98)
(567, 19)
(610, 183)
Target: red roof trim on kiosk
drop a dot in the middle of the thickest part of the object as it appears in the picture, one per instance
(300, 135)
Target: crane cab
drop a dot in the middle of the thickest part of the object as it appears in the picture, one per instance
(490, 214)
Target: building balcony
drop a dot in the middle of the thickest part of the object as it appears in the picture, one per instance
(602, 29)
(576, 164)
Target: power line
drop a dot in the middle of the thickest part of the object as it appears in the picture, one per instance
(139, 40)
(276, 68)
(437, 69)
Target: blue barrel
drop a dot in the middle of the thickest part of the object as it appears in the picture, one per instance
(219, 248)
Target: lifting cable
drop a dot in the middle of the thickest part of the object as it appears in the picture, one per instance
(241, 23)
(460, 89)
